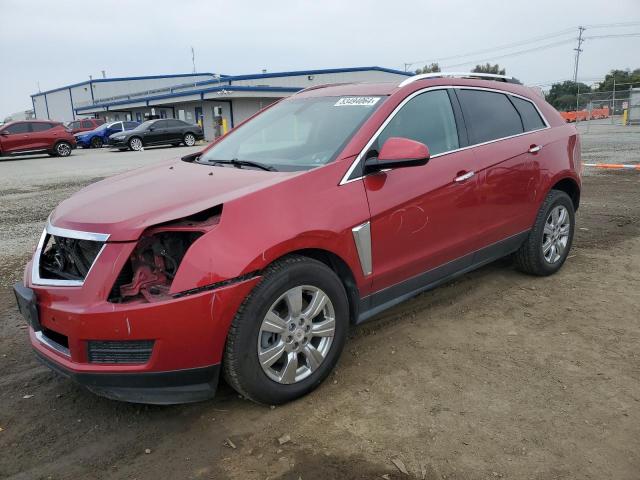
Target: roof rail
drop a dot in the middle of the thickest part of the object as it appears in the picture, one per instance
(484, 76)
(322, 85)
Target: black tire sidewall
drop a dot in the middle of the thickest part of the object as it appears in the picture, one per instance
(96, 142)
(253, 379)
(558, 198)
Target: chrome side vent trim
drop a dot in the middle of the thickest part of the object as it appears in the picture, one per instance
(362, 239)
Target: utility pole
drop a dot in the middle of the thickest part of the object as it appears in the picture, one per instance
(575, 68)
(578, 50)
(406, 66)
(193, 59)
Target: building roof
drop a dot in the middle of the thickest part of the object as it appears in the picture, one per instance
(228, 85)
(120, 79)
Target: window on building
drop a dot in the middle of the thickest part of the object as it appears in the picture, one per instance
(530, 117)
(426, 118)
(489, 115)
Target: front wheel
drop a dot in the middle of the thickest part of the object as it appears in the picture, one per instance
(62, 149)
(135, 144)
(547, 247)
(189, 139)
(289, 332)
(96, 142)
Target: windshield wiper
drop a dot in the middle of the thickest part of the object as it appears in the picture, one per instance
(245, 163)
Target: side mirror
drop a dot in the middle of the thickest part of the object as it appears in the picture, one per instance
(398, 152)
(4, 132)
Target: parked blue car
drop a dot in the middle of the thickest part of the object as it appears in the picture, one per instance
(98, 137)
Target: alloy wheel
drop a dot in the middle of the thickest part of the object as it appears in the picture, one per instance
(189, 140)
(135, 144)
(63, 149)
(555, 236)
(296, 334)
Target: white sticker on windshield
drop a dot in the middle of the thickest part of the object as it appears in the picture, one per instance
(357, 101)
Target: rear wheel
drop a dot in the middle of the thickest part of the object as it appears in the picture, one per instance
(62, 149)
(189, 139)
(135, 144)
(289, 332)
(547, 247)
(96, 142)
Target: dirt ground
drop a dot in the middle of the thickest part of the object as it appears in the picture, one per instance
(495, 375)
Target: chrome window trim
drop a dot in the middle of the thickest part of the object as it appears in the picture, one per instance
(63, 232)
(475, 75)
(345, 179)
(42, 338)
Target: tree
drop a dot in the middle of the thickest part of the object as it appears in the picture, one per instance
(488, 68)
(623, 80)
(563, 95)
(434, 67)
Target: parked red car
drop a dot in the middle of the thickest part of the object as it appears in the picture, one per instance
(316, 214)
(36, 136)
(84, 125)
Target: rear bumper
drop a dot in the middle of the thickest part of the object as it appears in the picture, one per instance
(159, 388)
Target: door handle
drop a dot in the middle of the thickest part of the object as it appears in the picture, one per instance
(535, 148)
(464, 176)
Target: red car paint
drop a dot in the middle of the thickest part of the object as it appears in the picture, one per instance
(84, 125)
(32, 138)
(421, 218)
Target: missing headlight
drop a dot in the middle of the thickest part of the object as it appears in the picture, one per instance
(149, 272)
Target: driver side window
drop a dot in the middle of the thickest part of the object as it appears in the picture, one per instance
(427, 118)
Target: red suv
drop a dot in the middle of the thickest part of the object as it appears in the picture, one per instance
(84, 125)
(316, 214)
(35, 136)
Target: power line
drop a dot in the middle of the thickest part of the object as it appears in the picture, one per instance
(496, 48)
(608, 25)
(613, 35)
(514, 54)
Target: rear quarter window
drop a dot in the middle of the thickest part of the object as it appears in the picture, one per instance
(531, 119)
(489, 115)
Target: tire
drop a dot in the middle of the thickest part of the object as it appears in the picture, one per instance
(549, 241)
(62, 149)
(273, 383)
(189, 139)
(135, 144)
(96, 142)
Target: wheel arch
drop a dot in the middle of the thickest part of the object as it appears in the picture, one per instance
(569, 186)
(340, 268)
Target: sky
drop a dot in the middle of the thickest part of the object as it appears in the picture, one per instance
(56, 43)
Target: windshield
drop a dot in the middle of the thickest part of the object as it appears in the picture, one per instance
(296, 134)
(102, 127)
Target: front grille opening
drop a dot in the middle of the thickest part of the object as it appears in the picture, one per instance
(119, 351)
(67, 258)
(59, 338)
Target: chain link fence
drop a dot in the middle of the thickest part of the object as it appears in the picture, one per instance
(620, 107)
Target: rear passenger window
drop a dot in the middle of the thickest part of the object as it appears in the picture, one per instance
(87, 124)
(40, 127)
(426, 118)
(488, 115)
(530, 117)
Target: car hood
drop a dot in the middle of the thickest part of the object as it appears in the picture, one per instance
(125, 205)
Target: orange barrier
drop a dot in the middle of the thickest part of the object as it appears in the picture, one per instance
(582, 115)
(614, 166)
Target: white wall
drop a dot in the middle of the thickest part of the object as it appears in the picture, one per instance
(110, 89)
(243, 108)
